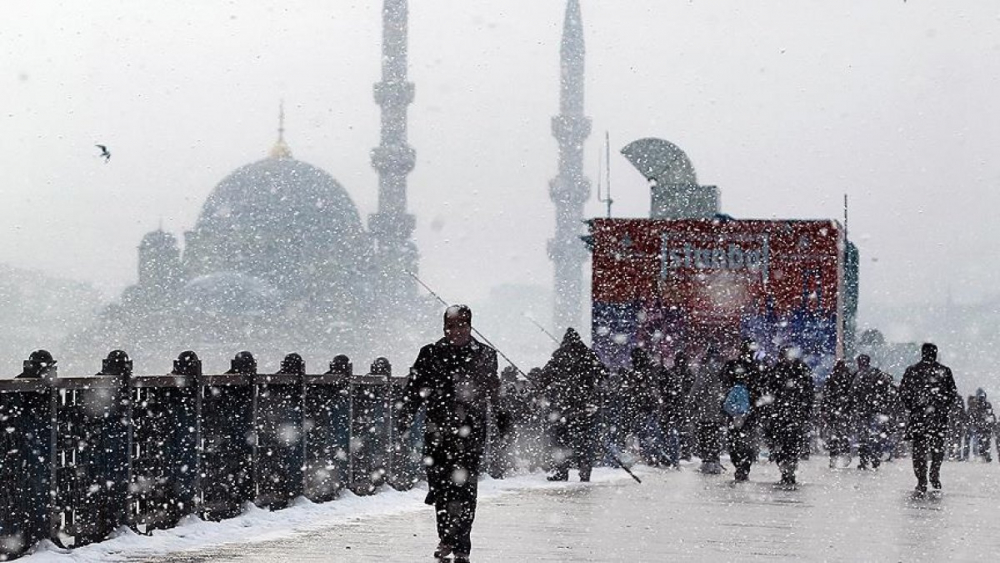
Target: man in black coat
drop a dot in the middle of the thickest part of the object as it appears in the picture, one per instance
(982, 423)
(571, 379)
(743, 371)
(456, 379)
(837, 413)
(789, 393)
(871, 394)
(676, 412)
(927, 392)
(675, 418)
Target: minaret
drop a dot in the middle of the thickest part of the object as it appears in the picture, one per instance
(280, 149)
(392, 227)
(570, 190)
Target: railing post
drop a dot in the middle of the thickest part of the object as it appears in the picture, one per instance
(326, 431)
(369, 441)
(227, 448)
(91, 459)
(25, 458)
(278, 457)
(164, 454)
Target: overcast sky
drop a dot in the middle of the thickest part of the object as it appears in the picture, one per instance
(784, 105)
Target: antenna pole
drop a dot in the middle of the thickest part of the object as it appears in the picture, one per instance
(607, 168)
(845, 216)
(607, 171)
(600, 170)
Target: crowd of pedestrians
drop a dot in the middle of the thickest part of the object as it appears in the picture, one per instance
(576, 413)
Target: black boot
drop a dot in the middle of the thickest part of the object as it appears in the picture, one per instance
(558, 475)
(442, 552)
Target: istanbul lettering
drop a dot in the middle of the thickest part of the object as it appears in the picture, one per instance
(719, 256)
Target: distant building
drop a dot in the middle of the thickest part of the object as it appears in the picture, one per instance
(280, 261)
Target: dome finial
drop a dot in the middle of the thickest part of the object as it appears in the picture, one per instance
(280, 149)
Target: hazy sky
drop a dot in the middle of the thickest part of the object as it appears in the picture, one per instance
(784, 105)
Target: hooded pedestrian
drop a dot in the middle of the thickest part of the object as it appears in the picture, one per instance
(789, 393)
(871, 394)
(705, 405)
(571, 379)
(927, 392)
(741, 380)
(837, 414)
(983, 422)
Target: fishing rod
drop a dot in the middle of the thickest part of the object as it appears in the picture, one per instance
(622, 465)
(474, 329)
(542, 328)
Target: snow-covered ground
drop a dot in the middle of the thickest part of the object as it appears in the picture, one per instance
(257, 525)
(834, 515)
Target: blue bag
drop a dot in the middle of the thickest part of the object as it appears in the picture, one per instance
(737, 403)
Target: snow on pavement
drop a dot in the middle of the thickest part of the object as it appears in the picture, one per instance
(258, 525)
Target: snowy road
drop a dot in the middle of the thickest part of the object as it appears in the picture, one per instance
(843, 515)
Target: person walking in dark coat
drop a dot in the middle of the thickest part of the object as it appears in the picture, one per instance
(675, 416)
(570, 381)
(789, 393)
(741, 380)
(837, 413)
(705, 405)
(456, 380)
(871, 393)
(958, 430)
(927, 392)
(982, 422)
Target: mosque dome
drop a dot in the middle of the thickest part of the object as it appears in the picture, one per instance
(276, 219)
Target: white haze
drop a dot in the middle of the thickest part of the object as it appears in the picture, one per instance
(786, 106)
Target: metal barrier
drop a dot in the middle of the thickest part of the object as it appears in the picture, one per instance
(326, 435)
(90, 454)
(278, 452)
(164, 454)
(406, 465)
(91, 458)
(26, 437)
(226, 412)
(370, 428)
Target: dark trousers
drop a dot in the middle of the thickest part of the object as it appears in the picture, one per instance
(453, 491)
(574, 441)
(788, 443)
(870, 438)
(985, 435)
(839, 441)
(742, 449)
(923, 444)
(709, 440)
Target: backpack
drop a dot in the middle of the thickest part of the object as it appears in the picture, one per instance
(737, 403)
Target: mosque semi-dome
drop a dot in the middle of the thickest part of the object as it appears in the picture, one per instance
(231, 294)
(661, 160)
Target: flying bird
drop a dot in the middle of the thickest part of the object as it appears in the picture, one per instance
(104, 152)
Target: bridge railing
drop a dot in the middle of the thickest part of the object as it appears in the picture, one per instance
(81, 456)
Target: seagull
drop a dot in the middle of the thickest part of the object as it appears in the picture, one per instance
(104, 152)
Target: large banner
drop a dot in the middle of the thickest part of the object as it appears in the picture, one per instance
(687, 285)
